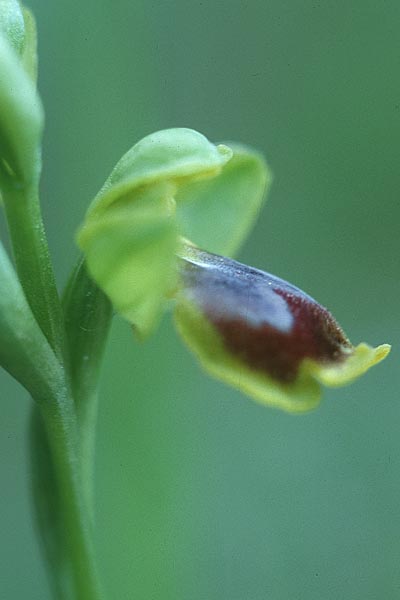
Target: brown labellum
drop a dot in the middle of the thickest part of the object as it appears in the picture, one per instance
(269, 324)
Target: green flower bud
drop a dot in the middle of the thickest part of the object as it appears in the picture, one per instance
(21, 119)
(264, 335)
(18, 26)
(172, 183)
(12, 24)
(29, 54)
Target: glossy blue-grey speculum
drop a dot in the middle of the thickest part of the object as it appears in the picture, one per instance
(265, 321)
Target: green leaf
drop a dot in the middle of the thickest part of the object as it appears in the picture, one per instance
(87, 317)
(21, 120)
(88, 314)
(218, 213)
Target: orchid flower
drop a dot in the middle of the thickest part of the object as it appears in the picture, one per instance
(173, 193)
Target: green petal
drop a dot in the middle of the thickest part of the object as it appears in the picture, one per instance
(218, 213)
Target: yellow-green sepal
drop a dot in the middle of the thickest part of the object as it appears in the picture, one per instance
(218, 213)
(205, 192)
(130, 253)
(130, 233)
(176, 156)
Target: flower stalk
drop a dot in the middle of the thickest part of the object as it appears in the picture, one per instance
(73, 520)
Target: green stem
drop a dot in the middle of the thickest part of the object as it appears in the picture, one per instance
(46, 502)
(62, 436)
(32, 259)
(87, 426)
(63, 490)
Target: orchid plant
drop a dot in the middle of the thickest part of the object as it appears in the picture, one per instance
(158, 237)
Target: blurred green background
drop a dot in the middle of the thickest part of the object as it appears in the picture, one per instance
(201, 493)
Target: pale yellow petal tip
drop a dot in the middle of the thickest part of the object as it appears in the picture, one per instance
(362, 358)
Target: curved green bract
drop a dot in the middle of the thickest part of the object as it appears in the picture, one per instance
(172, 184)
